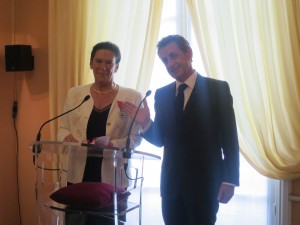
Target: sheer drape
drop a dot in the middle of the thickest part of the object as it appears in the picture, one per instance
(76, 26)
(254, 45)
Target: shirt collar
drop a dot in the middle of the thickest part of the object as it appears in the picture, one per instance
(190, 82)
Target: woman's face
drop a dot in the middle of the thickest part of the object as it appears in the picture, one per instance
(104, 66)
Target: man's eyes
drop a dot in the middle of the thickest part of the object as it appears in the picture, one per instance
(171, 56)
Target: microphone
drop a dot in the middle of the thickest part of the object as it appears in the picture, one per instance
(38, 136)
(127, 152)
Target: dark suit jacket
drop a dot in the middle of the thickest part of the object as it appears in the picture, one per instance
(203, 150)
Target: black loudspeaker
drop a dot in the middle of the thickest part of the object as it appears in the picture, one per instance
(18, 58)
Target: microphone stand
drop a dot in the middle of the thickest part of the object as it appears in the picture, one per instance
(127, 152)
(37, 148)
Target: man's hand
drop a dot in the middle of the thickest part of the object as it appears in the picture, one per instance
(226, 192)
(143, 116)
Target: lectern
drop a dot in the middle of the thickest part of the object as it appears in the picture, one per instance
(57, 163)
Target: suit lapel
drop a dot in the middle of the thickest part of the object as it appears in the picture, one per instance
(166, 103)
(197, 96)
(169, 98)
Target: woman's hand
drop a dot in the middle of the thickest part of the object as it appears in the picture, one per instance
(70, 138)
(110, 144)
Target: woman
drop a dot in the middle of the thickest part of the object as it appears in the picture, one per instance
(99, 116)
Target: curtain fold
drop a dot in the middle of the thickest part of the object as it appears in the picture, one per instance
(149, 48)
(134, 26)
(76, 26)
(67, 26)
(254, 45)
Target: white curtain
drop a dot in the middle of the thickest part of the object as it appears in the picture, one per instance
(254, 45)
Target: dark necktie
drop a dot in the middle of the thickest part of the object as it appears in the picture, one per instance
(179, 101)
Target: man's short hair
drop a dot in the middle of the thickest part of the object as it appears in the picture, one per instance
(180, 41)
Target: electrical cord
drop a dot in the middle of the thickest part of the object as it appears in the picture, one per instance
(130, 178)
(136, 177)
(14, 115)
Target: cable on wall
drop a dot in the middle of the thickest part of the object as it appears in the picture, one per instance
(14, 116)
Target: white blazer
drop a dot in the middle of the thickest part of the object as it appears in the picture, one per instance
(117, 127)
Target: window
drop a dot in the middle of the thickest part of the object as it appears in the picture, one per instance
(253, 202)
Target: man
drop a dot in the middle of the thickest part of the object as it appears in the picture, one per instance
(200, 165)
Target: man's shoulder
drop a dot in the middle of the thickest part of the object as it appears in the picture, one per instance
(210, 80)
(166, 88)
(212, 84)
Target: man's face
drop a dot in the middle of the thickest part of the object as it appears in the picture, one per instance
(104, 66)
(177, 62)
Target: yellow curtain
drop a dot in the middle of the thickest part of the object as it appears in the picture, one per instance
(76, 26)
(67, 28)
(254, 45)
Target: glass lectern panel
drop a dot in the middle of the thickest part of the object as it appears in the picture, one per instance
(60, 168)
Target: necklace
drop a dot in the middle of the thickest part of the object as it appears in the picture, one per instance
(105, 92)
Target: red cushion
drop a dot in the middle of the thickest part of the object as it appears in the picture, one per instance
(88, 195)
